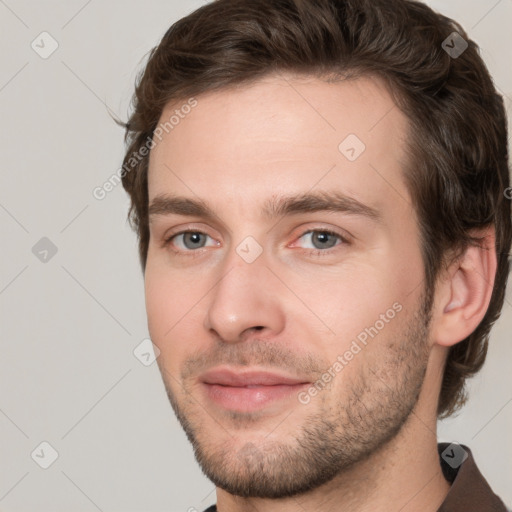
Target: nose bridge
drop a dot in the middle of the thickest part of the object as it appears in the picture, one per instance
(242, 298)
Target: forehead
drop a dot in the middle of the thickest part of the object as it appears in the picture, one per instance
(283, 134)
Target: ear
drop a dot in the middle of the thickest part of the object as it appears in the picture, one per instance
(464, 292)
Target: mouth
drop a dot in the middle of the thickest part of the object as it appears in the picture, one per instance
(249, 390)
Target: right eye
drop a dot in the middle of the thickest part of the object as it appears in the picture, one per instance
(188, 241)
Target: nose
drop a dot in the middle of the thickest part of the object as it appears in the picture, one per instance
(245, 300)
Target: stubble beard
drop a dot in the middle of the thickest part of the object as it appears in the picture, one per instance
(331, 440)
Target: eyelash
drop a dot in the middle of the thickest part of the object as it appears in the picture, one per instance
(313, 252)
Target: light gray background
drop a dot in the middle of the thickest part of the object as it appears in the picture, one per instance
(69, 326)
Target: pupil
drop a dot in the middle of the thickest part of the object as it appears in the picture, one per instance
(194, 238)
(323, 238)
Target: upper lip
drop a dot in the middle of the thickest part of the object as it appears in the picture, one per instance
(227, 377)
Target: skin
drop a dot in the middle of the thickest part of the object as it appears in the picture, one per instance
(371, 432)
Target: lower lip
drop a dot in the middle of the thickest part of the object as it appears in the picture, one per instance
(247, 399)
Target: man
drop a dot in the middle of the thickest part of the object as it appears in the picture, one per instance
(318, 188)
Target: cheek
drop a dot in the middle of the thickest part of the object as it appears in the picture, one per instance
(166, 293)
(351, 301)
(164, 307)
(348, 296)
(158, 295)
(173, 307)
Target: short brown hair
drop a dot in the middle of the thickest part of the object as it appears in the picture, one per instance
(458, 161)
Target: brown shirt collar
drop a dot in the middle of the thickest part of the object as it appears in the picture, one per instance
(469, 491)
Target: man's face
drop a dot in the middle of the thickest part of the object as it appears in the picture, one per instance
(293, 341)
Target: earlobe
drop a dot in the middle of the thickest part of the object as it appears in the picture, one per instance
(464, 294)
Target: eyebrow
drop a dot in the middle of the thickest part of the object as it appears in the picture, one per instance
(164, 204)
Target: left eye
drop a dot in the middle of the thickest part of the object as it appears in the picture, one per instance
(322, 239)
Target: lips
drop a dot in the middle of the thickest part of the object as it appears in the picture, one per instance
(250, 390)
(249, 379)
